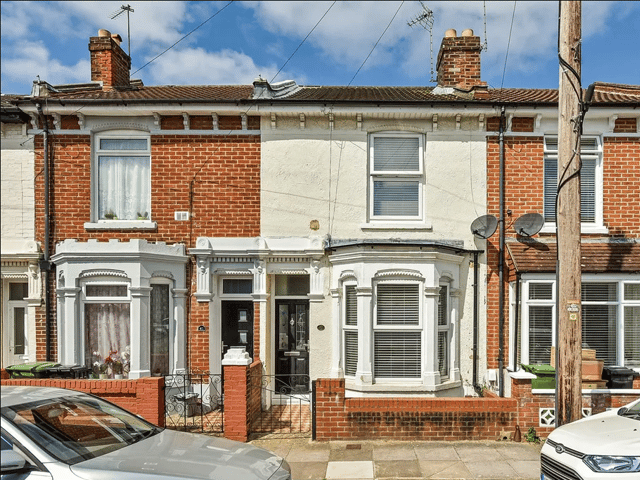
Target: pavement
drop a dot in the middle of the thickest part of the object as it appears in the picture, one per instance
(386, 460)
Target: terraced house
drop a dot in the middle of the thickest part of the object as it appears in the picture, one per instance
(326, 230)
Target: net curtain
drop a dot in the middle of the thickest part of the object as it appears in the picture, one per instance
(124, 184)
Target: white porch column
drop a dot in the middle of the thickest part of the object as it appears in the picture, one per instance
(70, 327)
(140, 326)
(180, 339)
(337, 371)
(431, 375)
(364, 374)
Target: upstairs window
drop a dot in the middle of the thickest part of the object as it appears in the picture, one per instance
(396, 177)
(123, 177)
(590, 183)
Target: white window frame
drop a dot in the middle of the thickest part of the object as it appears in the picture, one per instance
(102, 223)
(527, 279)
(86, 300)
(173, 338)
(597, 226)
(397, 176)
(419, 328)
(446, 328)
(353, 329)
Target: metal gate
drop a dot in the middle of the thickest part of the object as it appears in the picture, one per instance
(194, 402)
(286, 409)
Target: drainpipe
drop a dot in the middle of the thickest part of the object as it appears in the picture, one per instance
(45, 265)
(501, 264)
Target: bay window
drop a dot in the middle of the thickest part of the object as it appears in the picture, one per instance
(397, 336)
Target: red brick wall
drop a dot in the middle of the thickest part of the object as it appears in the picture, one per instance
(409, 418)
(459, 61)
(109, 63)
(144, 396)
(524, 170)
(216, 178)
(626, 125)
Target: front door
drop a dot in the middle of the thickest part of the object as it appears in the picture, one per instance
(292, 336)
(237, 326)
(16, 333)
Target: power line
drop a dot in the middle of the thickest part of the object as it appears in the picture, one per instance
(504, 71)
(304, 40)
(159, 55)
(374, 47)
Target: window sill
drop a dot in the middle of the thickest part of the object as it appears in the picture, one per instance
(585, 229)
(387, 225)
(121, 225)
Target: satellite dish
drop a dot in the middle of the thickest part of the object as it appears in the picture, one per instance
(484, 226)
(528, 224)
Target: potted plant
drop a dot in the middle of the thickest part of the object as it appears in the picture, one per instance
(110, 215)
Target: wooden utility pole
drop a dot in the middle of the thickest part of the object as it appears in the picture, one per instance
(568, 274)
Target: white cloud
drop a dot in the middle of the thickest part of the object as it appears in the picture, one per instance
(33, 59)
(196, 66)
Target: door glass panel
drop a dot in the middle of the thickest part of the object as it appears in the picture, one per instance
(159, 330)
(289, 285)
(302, 334)
(18, 331)
(18, 291)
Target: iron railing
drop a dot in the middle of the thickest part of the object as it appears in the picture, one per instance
(285, 406)
(194, 402)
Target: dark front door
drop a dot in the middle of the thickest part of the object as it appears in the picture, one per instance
(292, 336)
(237, 326)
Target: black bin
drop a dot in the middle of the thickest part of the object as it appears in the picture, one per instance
(69, 371)
(618, 377)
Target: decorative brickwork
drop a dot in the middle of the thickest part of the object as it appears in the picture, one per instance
(144, 396)
(626, 125)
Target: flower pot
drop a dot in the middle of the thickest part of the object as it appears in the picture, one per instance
(118, 376)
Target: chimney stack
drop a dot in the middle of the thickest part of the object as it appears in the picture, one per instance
(458, 62)
(109, 64)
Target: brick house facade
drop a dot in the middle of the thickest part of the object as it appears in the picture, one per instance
(278, 217)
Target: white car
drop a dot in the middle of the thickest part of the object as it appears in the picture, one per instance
(601, 447)
(58, 434)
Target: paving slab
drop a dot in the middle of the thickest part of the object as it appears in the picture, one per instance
(394, 452)
(471, 452)
(529, 469)
(349, 470)
(398, 469)
(491, 469)
(351, 451)
(307, 470)
(436, 452)
(444, 469)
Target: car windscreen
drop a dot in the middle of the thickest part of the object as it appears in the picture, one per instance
(77, 428)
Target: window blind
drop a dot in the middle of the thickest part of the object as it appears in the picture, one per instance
(396, 198)
(540, 321)
(396, 154)
(398, 304)
(397, 354)
(350, 352)
(351, 306)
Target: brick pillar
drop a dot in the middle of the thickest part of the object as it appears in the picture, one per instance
(235, 366)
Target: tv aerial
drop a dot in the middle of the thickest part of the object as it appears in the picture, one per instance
(528, 224)
(125, 8)
(484, 226)
(425, 20)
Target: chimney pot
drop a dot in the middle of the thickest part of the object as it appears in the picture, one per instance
(103, 32)
(117, 38)
(451, 33)
(467, 33)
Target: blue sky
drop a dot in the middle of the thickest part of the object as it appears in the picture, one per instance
(247, 39)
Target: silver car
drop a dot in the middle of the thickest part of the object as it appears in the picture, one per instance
(53, 433)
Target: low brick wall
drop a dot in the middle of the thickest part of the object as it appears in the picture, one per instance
(405, 418)
(144, 396)
(529, 403)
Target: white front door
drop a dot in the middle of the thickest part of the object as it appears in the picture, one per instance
(15, 335)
